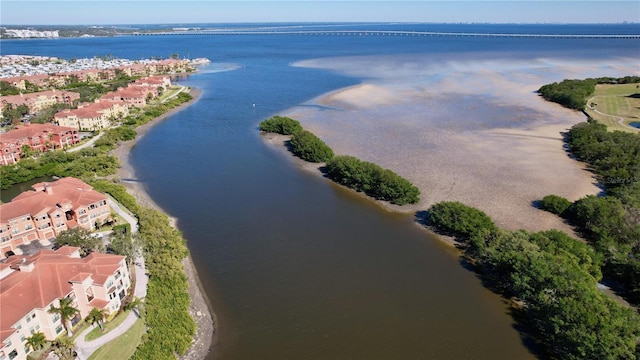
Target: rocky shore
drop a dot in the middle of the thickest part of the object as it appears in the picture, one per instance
(200, 308)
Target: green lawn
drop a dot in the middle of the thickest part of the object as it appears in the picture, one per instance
(616, 101)
(96, 333)
(122, 347)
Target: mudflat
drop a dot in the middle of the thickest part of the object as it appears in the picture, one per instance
(473, 132)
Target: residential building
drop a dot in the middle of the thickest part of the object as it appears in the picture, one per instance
(131, 95)
(40, 100)
(92, 116)
(50, 208)
(38, 137)
(31, 285)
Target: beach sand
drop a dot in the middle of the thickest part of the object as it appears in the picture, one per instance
(479, 135)
(200, 307)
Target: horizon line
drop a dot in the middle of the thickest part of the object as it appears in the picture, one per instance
(345, 22)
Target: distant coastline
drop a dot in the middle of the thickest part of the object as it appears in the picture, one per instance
(343, 28)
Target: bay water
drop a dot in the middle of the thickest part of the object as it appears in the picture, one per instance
(296, 267)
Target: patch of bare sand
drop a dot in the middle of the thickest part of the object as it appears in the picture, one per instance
(200, 307)
(360, 96)
(500, 170)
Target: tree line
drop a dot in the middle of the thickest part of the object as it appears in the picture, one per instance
(373, 180)
(170, 328)
(611, 223)
(573, 94)
(551, 279)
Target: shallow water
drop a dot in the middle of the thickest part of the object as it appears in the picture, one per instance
(298, 268)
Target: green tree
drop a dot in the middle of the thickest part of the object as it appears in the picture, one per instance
(26, 151)
(64, 348)
(555, 204)
(123, 243)
(7, 89)
(97, 316)
(136, 305)
(281, 125)
(310, 148)
(458, 219)
(379, 183)
(66, 312)
(81, 238)
(36, 341)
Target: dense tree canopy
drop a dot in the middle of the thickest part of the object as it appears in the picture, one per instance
(281, 125)
(309, 147)
(381, 184)
(555, 204)
(81, 238)
(458, 219)
(575, 93)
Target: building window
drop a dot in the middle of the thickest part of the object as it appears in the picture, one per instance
(22, 338)
(13, 354)
(59, 329)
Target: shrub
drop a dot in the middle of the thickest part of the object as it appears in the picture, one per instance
(281, 125)
(460, 220)
(555, 204)
(379, 183)
(569, 93)
(310, 148)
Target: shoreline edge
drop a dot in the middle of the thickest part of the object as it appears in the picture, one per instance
(200, 307)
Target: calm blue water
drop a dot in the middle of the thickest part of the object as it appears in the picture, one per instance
(295, 267)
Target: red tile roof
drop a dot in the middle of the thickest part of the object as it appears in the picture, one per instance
(66, 191)
(23, 291)
(21, 132)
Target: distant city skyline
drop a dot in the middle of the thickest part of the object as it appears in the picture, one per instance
(114, 12)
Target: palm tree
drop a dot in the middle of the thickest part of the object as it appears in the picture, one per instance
(36, 341)
(97, 316)
(135, 305)
(64, 348)
(66, 312)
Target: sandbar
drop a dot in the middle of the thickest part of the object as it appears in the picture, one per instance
(474, 131)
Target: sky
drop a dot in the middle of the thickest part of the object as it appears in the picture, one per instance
(103, 12)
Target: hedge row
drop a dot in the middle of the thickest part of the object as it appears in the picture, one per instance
(553, 277)
(379, 183)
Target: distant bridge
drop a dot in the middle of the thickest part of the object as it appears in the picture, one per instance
(390, 33)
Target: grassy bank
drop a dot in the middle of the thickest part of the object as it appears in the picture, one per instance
(615, 105)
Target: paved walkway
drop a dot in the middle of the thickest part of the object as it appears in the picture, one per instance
(86, 348)
(87, 144)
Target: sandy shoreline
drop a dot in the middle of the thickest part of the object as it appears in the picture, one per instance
(471, 132)
(200, 307)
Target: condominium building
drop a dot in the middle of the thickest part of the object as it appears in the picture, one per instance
(92, 116)
(38, 137)
(40, 100)
(31, 285)
(50, 208)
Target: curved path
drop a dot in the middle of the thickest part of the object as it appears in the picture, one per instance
(619, 118)
(86, 348)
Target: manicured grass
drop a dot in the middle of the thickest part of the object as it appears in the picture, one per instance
(617, 101)
(96, 333)
(122, 347)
